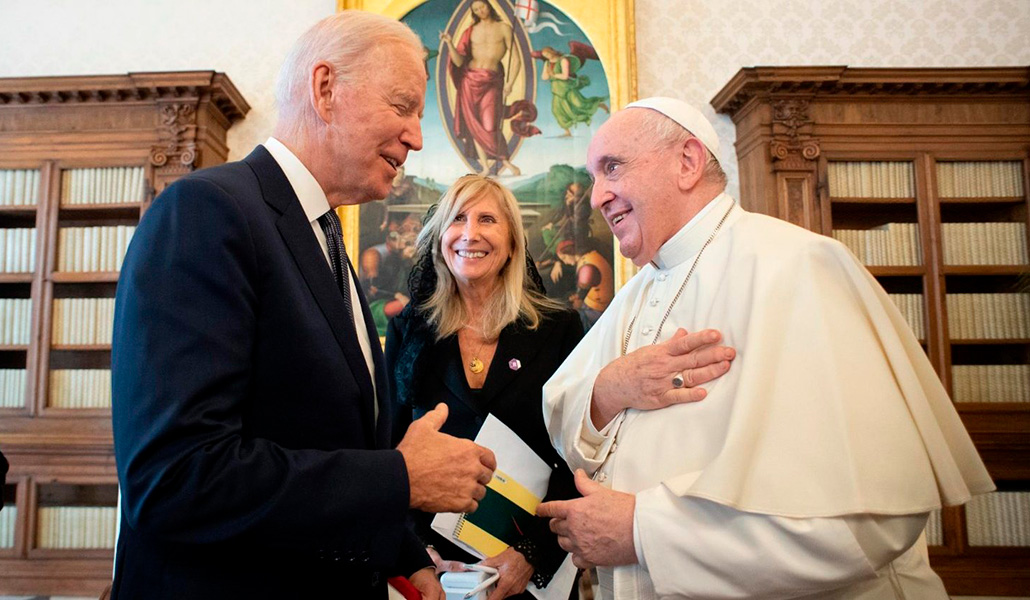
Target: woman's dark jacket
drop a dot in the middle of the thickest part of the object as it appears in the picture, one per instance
(424, 372)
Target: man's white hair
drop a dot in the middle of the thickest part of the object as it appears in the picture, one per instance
(346, 41)
(664, 133)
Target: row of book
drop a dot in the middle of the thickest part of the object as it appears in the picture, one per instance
(19, 187)
(83, 321)
(112, 185)
(80, 388)
(76, 526)
(999, 519)
(893, 179)
(988, 316)
(12, 388)
(15, 321)
(990, 383)
(91, 388)
(871, 179)
(995, 519)
(984, 243)
(88, 249)
(18, 250)
(890, 245)
(980, 179)
(8, 521)
(911, 307)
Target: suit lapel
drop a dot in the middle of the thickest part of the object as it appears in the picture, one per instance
(513, 343)
(381, 429)
(510, 345)
(453, 375)
(297, 233)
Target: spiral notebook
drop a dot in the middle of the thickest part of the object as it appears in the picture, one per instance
(502, 516)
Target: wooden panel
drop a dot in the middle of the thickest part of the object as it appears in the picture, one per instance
(167, 123)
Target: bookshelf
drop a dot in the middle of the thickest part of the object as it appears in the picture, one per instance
(923, 174)
(81, 158)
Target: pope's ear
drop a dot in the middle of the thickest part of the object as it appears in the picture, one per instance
(692, 159)
(322, 89)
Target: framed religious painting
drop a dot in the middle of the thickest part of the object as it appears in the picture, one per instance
(515, 91)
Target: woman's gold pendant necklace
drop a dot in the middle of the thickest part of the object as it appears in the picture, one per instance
(475, 365)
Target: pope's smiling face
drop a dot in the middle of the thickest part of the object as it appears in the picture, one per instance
(635, 185)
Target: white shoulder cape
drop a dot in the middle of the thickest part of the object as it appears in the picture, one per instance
(830, 408)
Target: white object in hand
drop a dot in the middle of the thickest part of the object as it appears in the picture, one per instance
(469, 585)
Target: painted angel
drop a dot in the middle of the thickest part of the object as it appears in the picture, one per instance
(569, 105)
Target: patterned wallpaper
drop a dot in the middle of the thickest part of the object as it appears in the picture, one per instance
(691, 48)
(247, 39)
(686, 48)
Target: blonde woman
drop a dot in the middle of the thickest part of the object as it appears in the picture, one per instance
(481, 336)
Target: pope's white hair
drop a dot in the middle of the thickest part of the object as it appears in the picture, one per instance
(347, 41)
(664, 132)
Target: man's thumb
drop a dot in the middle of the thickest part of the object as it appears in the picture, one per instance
(436, 417)
(584, 484)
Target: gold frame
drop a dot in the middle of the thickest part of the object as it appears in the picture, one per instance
(608, 24)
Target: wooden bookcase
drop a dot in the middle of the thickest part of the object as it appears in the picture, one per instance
(936, 161)
(80, 160)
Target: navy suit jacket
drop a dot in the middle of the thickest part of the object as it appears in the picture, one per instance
(249, 458)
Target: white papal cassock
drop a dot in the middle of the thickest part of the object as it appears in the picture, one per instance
(809, 469)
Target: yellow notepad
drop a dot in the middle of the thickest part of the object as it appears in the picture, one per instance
(502, 517)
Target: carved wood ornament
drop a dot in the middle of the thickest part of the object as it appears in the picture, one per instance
(792, 142)
(179, 128)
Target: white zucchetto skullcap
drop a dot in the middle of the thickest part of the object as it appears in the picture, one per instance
(687, 116)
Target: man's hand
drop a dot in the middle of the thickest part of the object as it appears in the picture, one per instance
(597, 528)
(514, 573)
(445, 474)
(425, 581)
(643, 378)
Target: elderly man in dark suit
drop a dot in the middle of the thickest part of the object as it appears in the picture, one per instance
(250, 417)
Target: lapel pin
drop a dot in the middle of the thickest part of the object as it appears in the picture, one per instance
(514, 364)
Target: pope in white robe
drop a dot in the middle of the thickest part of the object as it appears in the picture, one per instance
(809, 469)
